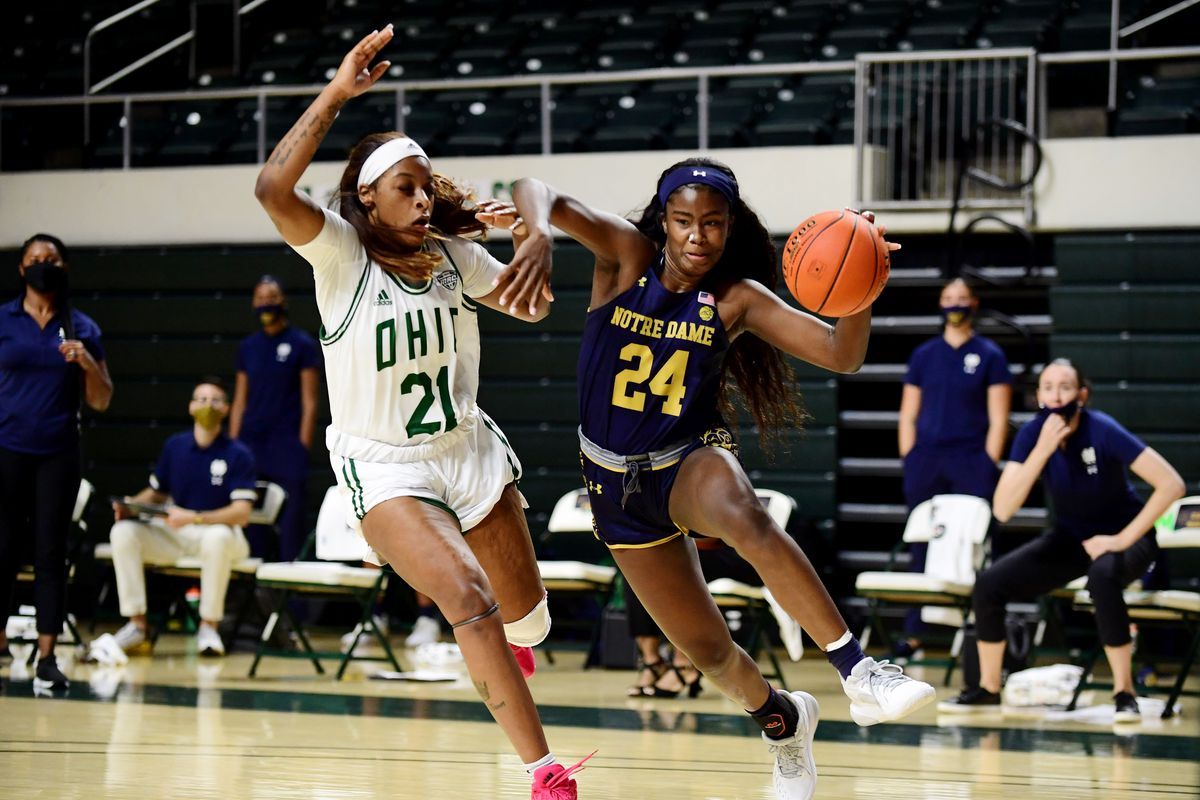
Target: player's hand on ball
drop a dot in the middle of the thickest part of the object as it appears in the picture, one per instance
(356, 75)
(869, 216)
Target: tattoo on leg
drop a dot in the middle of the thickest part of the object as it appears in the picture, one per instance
(481, 687)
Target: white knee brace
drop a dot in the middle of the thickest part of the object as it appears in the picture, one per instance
(531, 629)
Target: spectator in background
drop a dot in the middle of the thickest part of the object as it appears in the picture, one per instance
(51, 359)
(275, 408)
(207, 482)
(1102, 529)
(953, 419)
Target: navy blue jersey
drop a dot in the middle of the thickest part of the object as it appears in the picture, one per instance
(39, 389)
(204, 479)
(273, 365)
(650, 368)
(954, 383)
(1087, 478)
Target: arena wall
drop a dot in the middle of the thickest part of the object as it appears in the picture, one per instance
(1086, 184)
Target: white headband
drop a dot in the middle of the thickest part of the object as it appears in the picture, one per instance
(391, 152)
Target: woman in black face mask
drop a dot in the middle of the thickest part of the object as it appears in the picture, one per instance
(1101, 528)
(953, 419)
(51, 359)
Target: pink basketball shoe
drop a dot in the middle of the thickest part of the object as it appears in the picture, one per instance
(525, 660)
(554, 782)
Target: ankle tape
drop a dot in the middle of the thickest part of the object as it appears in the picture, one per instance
(495, 607)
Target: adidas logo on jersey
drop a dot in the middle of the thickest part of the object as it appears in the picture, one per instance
(383, 299)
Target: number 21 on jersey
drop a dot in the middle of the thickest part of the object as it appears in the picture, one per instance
(668, 382)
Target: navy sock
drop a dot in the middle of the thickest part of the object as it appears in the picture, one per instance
(778, 717)
(845, 657)
(427, 611)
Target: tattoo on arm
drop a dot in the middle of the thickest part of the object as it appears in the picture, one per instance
(314, 125)
(481, 687)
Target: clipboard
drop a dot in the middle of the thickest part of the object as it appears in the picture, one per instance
(147, 509)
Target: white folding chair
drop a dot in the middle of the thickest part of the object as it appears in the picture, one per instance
(757, 600)
(336, 539)
(1178, 530)
(955, 526)
(572, 517)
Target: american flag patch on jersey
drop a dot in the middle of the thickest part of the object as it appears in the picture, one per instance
(707, 299)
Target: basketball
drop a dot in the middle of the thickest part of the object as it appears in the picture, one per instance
(835, 263)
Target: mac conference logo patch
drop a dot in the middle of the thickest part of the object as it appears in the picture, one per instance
(447, 280)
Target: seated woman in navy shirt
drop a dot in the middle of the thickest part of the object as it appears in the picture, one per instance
(275, 407)
(51, 358)
(1101, 527)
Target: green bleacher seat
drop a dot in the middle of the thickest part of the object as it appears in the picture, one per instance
(513, 402)
(1137, 357)
(188, 270)
(1181, 449)
(168, 358)
(1139, 258)
(214, 315)
(1149, 407)
(1125, 308)
(531, 356)
(566, 316)
(813, 449)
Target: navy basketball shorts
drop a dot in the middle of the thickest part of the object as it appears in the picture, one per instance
(645, 521)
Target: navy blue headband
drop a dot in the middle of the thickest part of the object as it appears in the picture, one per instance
(709, 176)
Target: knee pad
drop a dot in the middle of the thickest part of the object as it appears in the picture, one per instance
(531, 629)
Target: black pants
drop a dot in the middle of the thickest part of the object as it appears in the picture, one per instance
(37, 497)
(1052, 561)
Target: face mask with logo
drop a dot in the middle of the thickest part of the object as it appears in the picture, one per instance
(956, 315)
(208, 417)
(269, 314)
(46, 277)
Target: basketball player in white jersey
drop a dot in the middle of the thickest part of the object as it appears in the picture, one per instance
(431, 478)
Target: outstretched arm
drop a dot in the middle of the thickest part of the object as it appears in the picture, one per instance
(621, 250)
(297, 217)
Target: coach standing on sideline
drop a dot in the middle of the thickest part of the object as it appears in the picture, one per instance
(51, 358)
(275, 406)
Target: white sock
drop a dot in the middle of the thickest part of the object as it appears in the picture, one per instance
(544, 761)
(845, 640)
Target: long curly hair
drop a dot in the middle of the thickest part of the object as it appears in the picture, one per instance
(452, 215)
(753, 371)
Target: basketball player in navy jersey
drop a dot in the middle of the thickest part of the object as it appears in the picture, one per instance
(681, 310)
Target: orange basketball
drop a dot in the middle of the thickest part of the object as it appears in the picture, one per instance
(835, 263)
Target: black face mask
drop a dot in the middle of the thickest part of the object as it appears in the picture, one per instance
(46, 277)
(270, 314)
(1067, 412)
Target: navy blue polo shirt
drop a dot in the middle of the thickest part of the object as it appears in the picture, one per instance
(954, 384)
(39, 389)
(203, 479)
(1087, 479)
(272, 365)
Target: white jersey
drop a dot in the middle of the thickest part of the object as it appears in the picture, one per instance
(401, 361)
